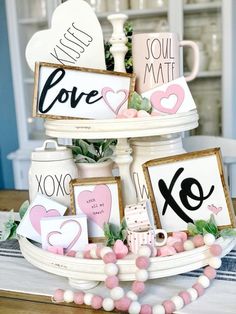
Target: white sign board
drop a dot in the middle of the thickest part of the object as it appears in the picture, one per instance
(188, 187)
(75, 38)
(72, 92)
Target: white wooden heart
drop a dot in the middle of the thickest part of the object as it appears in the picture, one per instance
(75, 38)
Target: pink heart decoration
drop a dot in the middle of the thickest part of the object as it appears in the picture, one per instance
(59, 236)
(96, 204)
(173, 90)
(38, 212)
(120, 249)
(214, 209)
(113, 106)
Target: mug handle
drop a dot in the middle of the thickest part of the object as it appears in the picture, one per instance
(195, 68)
(163, 232)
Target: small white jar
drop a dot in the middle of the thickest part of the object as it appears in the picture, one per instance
(51, 172)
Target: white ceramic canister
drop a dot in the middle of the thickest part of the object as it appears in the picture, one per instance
(52, 168)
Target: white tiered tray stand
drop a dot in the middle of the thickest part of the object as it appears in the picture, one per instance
(87, 273)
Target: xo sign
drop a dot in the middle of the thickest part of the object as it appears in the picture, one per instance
(185, 193)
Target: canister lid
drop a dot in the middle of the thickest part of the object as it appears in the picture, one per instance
(51, 151)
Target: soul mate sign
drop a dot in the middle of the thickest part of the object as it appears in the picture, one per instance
(79, 92)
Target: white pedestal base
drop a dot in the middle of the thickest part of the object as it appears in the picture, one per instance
(82, 284)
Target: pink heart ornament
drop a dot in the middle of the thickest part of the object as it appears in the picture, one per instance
(114, 99)
(174, 96)
(96, 204)
(214, 209)
(55, 238)
(38, 212)
(120, 249)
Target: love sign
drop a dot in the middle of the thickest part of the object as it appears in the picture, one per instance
(69, 233)
(173, 97)
(75, 38)
(100, 200)
(41, 207)
(189, 187)
(72, 92)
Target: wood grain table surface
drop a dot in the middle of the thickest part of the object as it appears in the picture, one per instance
(22, 303)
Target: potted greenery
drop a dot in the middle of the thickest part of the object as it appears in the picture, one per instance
(94, 157)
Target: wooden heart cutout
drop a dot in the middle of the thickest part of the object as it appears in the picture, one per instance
(168, 101)
(56, 238)
(114, 99)
(38, 212)
(75, 38)
(96, 204)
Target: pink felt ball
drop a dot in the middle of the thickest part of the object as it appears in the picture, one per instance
(98, 251)
(198, 240)
(215, 249)
(210, 272)
(111, 282)
(96, 302)
(146, 309)
(185, 296)
(138, 287)
(142, 262)
(158, 252)
(179, 247)
(87, 255)
(79, 297)
(181, 235)
(58, 295)
(199, 288)
(169, 306)
(71, 253)
(109, 258)
(123, 304)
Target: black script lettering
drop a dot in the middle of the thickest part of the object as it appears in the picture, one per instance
(39, 189)
(90, 39)
(156, 51)
(149, 70)
(141, 192)
(75, 101)
(76, 52)
(148, 50)
(59, 185)
(45, 185)
(60, 59)
(66, 183)
(186, 191)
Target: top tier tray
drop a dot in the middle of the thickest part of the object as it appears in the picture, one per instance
(122, 128)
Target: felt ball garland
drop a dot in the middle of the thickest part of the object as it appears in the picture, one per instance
(129, 302)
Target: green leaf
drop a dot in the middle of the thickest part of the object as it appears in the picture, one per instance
(228, 232)
(200, 225)
(23, 209)
(192, 229)
(211, 228)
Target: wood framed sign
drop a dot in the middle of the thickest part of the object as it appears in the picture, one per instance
(100, 200)
(189, 187)
(62, 92)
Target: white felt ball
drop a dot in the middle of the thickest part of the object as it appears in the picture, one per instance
(68, 296)
(93, 252)
(79, 254)
(209, 239)
(145, 251)
(134, 307)
(193, 294)
(204, 281)
(215, 262)
(158, 309)
(178, 302)
(105, 250)
(141, 275)
(108, 304)
(132, 296)
(188, 245)
(117, 293)
(88, 298)
(111, 269)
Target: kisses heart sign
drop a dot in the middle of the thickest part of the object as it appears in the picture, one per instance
(96, 204)
(75, 38)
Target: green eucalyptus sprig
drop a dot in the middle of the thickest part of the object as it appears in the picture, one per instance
(140, 103)
(113, 232)
(203, 227)
(10, 226)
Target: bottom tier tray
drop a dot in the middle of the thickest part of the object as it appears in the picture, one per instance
(86, 273)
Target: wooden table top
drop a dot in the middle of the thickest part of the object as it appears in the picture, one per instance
(22, 303)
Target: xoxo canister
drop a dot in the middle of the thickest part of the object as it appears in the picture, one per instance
(52, 168)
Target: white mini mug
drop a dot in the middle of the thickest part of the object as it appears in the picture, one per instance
(151, 237)
(156, 59)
